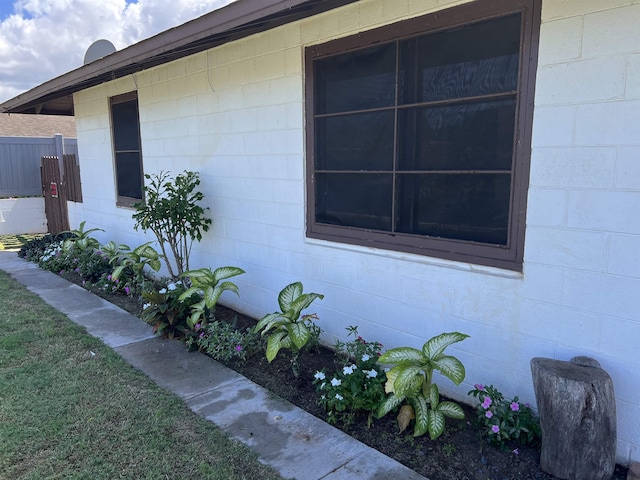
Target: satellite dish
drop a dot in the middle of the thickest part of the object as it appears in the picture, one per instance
(98, 49)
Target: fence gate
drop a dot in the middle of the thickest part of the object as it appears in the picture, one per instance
(55, 196)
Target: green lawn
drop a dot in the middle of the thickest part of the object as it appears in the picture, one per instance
(71, 408)
(14, 242)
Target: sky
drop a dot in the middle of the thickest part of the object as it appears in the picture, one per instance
(43, 39)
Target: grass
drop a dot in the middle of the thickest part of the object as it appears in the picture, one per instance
(14, 242)
(72, 408)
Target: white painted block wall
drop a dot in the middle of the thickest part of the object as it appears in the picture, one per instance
(235, 114)
(22, 215)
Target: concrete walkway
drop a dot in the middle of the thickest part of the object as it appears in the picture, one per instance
(289, 439)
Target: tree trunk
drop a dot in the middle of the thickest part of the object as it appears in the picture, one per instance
(577, 412)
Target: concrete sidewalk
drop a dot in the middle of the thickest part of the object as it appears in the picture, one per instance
(289, 439)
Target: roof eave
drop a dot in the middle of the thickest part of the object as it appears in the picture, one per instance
(232, 22)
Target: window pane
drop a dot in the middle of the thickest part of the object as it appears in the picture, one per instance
(467, 136)
(129, 174)
(357, 80)
(355, 142)
(354, 200)
(125, 126)
(463, 207)
(478, 59)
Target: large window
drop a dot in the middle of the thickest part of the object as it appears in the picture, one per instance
(126, 147)
(419, 133)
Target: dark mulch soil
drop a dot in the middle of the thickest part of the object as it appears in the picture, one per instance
(459, 454)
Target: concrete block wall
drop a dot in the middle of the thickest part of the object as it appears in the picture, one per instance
(22, 215)
(235, 114)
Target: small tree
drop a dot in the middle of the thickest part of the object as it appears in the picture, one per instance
(171, 212)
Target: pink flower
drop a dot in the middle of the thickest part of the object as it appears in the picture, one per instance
(126, 290)
(238, 348)
(515, 406)
(479, 386)
(495, 429)
(487, 402)
(488, 414)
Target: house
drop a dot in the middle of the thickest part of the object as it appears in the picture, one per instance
(24, 140)
(427, 165)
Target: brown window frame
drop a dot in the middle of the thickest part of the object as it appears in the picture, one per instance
(508, 256)
(130, 97)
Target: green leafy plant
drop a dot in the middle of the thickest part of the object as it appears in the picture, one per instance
(34, 249)
(206, 283)
(411, 380)
(171, 211)
(134, 262)
(167, 309)
(224, 342)
(113, 251)
(288, 328)
(505, 423)
(80, 240)
(357, 387)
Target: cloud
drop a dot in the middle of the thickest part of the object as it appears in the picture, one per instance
(47, 38)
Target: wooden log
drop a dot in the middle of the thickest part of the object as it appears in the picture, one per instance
(577, 410)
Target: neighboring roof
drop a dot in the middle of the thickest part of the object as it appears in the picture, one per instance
(237, 20)
(17, 125)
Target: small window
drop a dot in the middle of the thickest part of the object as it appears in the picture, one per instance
(419, 134)
(126, 147)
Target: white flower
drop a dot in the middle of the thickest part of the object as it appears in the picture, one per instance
(322, 386)
(319, 376)
(335, 382)
(365, 357)
(348, 370)
(322, 397)
(171, 286)
(145, 306)
(179, 282)
(339, 397)
(372, 373)
(164, 290)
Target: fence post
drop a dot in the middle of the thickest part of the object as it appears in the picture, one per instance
(58, 140)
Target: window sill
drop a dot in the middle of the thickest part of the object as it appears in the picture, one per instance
(413, 258)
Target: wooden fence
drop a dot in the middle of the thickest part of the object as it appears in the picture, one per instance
(20, 159)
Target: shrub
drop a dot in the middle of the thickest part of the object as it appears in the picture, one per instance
(165, 312)
(223, 341)
(171, 211)
(289, 328)
(411, 380)
(358, 386)
(504, 423)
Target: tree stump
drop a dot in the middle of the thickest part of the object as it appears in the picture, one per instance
(577, 412)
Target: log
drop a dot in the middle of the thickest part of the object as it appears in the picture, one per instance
(577, 410)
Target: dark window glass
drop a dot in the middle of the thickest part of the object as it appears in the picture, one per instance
(125, 126)
(456, 206)
(461, 136)
(356, 142)
(126, 145)
(471, 61)
(355, 200)
(356, 81)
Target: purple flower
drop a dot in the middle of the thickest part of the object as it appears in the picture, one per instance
(515, 406)
(488, 414)
(487, 402)
(201, 334)
(197, 327)
(108, 277)
(479, 386)
(238, 348)
(516, 451)
(495, 429)
(126, 290)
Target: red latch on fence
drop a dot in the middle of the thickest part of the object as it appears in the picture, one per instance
(54, 190)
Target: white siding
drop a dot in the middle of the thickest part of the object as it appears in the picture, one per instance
(235, 114)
